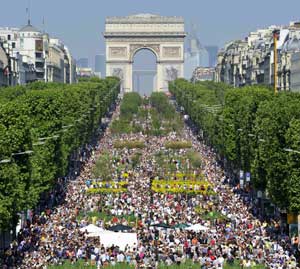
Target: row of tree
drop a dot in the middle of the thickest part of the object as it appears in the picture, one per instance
(253, 130)
(42, 127)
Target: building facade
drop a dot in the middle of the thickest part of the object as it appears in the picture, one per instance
(295, 72)
(3, 67)
(34, 56)
(56, 66)
(70, 67)
(251, 61)
(85, 72)
(203, 74)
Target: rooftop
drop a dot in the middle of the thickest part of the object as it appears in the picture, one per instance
(29, 28)
(144, 18)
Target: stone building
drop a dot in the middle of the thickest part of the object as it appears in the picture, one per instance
(33, 56)
(56, 61)
(295, 72)
(3, 67)
(85, 72)
(251, 61)
(203, 74)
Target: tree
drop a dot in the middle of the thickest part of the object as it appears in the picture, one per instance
(250, 127)
(51, 121)
(293, 181)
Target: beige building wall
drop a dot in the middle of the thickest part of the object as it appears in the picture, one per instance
(295, 72)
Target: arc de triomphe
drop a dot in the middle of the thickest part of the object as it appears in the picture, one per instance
(164, 36)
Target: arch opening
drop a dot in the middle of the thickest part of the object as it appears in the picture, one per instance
(144, 71)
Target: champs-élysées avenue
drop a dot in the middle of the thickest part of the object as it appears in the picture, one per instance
(149, 134)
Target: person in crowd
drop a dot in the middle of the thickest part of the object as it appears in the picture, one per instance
(55, 235)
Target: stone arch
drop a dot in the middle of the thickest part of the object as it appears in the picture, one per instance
(144, 77)
(134, 49)
(164, 36)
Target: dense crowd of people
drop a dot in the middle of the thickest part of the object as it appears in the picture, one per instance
(54, 236)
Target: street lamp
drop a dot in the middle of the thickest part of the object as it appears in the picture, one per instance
(38, 143)
(22, 153)
(291, 150)
(48, 138)
(5, 161)
(67, 126)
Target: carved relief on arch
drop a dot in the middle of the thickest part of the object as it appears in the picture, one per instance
(118, 72)
(172, 52)
(154, 47)
(116, 52)
(171, 72)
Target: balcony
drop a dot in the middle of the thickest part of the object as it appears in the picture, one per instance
(40, 70)
(39, 60)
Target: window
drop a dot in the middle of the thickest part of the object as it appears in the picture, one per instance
(13, 45)
(40, 75)
(39, 65)
(8, 37)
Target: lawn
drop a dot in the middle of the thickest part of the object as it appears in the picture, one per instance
(186, 265)
(213, 215)
(186, 162)
(81, 265)
(104, 216)
(237, 266)
(191, 265)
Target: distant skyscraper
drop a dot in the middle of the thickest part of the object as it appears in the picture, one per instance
(212, 55)
(196, 55)
(82, 63)
(192, 54)
(191, 62)
(100, 65)
(204, 57)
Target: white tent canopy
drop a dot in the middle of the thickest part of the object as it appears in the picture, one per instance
(92, 229)
(197, 228)
(108, 238)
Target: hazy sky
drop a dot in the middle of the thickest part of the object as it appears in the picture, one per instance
(80, 23)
